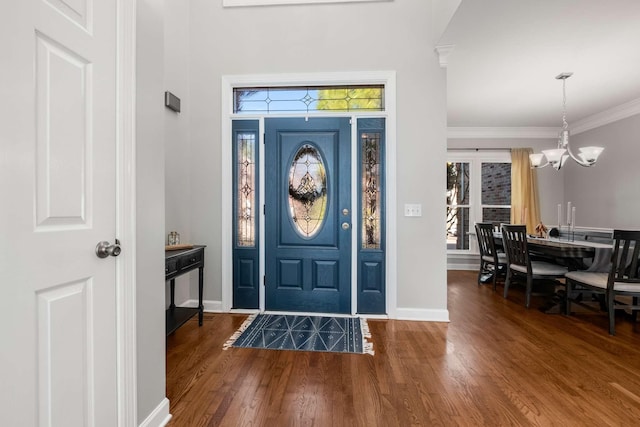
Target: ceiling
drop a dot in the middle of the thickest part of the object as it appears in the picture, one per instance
(501, 72)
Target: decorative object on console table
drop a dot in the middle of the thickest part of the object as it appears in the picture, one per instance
(173, 238)
(177, 263)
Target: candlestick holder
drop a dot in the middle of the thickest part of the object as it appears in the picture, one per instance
(571, 232)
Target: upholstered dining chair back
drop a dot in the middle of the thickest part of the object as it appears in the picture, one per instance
(625, 263)
(486, 242)
(514, 238)
(491, 261)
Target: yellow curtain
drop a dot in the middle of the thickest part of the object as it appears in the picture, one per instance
(525, 208)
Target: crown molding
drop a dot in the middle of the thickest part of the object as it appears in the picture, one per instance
(502, 132)
(605, 117)
(443, 54)
(243, 3)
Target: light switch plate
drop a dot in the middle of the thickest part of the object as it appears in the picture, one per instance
(412, 210)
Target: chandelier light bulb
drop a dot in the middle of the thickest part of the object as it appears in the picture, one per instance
(536, 159)
(590, 154)
(555, 155)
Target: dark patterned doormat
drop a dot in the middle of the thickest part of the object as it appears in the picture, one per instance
(304, 333)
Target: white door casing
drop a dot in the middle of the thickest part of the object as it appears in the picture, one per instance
(59, 200)
(228, 83)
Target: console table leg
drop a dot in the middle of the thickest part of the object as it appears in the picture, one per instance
(172, 286)
(200, 289)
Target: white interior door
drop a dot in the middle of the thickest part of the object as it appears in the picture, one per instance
(58, 129)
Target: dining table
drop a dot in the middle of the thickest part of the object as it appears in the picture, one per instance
(572, 253)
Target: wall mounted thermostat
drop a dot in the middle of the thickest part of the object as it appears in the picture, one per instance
(171, 101)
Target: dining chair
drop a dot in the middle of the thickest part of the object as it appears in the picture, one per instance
(519, 262)
(492, 261)
(623, 278)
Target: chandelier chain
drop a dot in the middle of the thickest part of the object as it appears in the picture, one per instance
(565, 125)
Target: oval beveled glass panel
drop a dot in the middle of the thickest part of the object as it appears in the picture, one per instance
(307, 191)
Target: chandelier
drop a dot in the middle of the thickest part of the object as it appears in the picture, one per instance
(557, 157)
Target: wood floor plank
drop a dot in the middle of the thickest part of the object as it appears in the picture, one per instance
(495, 363)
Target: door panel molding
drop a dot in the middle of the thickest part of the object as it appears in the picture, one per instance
(65, 316)
(63, 137)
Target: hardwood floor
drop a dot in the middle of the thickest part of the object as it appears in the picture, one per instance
(496, 363)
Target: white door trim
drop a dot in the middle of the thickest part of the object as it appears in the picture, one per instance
(126, 213)
(228, 83)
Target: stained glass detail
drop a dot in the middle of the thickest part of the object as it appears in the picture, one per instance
(305, 99)
(307, 191)
(371, 191)
(246, 191)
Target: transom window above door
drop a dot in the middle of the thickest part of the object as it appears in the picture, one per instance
(308, 99)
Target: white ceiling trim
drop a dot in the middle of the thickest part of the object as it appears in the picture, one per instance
(605, 117)
(443, 54)
(611, 115)
(242, 3)
(501, 132)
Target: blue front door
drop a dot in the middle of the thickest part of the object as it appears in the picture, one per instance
(308, 215)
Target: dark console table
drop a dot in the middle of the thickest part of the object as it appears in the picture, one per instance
(176, 263)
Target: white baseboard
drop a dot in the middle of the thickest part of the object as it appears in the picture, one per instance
(210, 306)
(374, 316)
(422, 314)
(463, 261)
(244, 310)
(467, 266)
(159, 417)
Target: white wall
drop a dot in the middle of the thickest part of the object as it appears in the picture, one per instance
(607, 195)
(150, 207)
(177, 136)
(330, 37)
